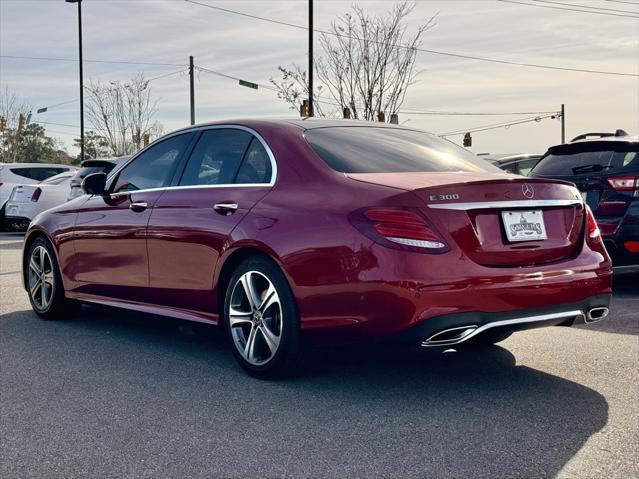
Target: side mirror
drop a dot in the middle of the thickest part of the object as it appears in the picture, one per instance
(94, 184)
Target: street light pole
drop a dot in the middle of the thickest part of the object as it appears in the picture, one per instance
(79, 2)
(311, 109)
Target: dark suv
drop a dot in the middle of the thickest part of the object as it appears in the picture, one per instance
(88, 167)
(606, 171)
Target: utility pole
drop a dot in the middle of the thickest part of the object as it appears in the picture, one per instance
(192, 89)
(311, 109)
(79, 2)
(563, 124)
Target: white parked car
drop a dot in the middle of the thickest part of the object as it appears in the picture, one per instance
(27, 201)
(13, 174)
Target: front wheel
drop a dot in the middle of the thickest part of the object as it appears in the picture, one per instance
(261, 319)
(44, 282)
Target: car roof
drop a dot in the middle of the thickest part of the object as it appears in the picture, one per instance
(593, 144)
(302, 123)
(39, 165)
(103, 161)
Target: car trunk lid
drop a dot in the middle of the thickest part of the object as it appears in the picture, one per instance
(22, 193)
(471, 207)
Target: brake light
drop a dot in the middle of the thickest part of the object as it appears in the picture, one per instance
(624, 183)
(593, 230)
(36, 194)
(632, 246)
(399, 228)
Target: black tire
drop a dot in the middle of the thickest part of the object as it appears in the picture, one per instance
(58, 307)
(489, 338)
(263, 273)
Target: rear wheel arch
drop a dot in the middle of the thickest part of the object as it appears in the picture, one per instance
(231, 263)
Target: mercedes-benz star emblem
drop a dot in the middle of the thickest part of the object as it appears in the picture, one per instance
(527, 190)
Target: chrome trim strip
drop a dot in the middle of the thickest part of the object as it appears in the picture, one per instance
(631, 268)
(504, 204)
(118, 168)
(577, 313)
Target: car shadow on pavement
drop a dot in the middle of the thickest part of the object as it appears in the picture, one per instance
(145, 395)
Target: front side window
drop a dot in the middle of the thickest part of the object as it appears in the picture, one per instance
(217, 157)
(370, 149)
(154, 167)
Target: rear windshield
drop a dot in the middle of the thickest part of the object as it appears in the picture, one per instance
(37, 173)
(390, 150)
(55, 180)
(623, 158)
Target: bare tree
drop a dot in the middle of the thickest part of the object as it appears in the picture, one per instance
(368, 63)
(11, 106)
(122, 112)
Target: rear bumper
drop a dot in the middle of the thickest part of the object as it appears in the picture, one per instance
(452, 329)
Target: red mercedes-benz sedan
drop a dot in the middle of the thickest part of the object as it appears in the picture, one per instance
(336, 230)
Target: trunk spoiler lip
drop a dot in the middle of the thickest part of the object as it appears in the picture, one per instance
(501, 204)
(385, 179)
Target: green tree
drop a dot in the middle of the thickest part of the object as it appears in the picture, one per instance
(95, 146)
(31, 145)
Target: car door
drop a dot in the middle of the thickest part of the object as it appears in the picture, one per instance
(228, 172)
(110, 235)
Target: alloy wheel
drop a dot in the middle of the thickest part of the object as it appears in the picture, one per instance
(255, 318)
(41, 278)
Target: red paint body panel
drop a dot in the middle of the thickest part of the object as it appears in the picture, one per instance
(346, 285)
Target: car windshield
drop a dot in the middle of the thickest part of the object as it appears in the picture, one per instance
(357, 149)
(57, 179)
(604, 161)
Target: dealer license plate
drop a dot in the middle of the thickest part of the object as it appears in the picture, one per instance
(524, 225)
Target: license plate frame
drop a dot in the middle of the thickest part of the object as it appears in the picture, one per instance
(520, 225)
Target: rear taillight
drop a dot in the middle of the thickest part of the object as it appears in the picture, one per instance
(399, 228)
(624, 183)
(36, 194)
(594, 235)
(632, 246)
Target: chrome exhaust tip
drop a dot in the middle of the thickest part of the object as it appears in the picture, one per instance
(451, 336)
(596, 314)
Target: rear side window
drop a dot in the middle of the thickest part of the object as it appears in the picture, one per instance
(37, 174)
(568, 162)
(216, 157)
(390, 150)
(256, 166)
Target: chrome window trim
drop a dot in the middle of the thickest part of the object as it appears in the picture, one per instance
(504, 204)
(119, 168)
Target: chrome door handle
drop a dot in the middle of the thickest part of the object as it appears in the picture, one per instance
(225, 208)
(138, 206)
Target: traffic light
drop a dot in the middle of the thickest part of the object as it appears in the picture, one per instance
(468, 140)
(3, 123)
(381, 117)
(145, 139)
(21, 122)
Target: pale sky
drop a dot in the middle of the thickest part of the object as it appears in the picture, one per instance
(168, 31)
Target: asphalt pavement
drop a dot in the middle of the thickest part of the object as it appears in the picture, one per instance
(111, 393)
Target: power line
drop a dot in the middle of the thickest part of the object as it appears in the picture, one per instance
(459, 113)
(123, 62)
(494, 126)
(434, 52)
(230, 77)
(577, 5)
(568, 9)
(622, 1)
